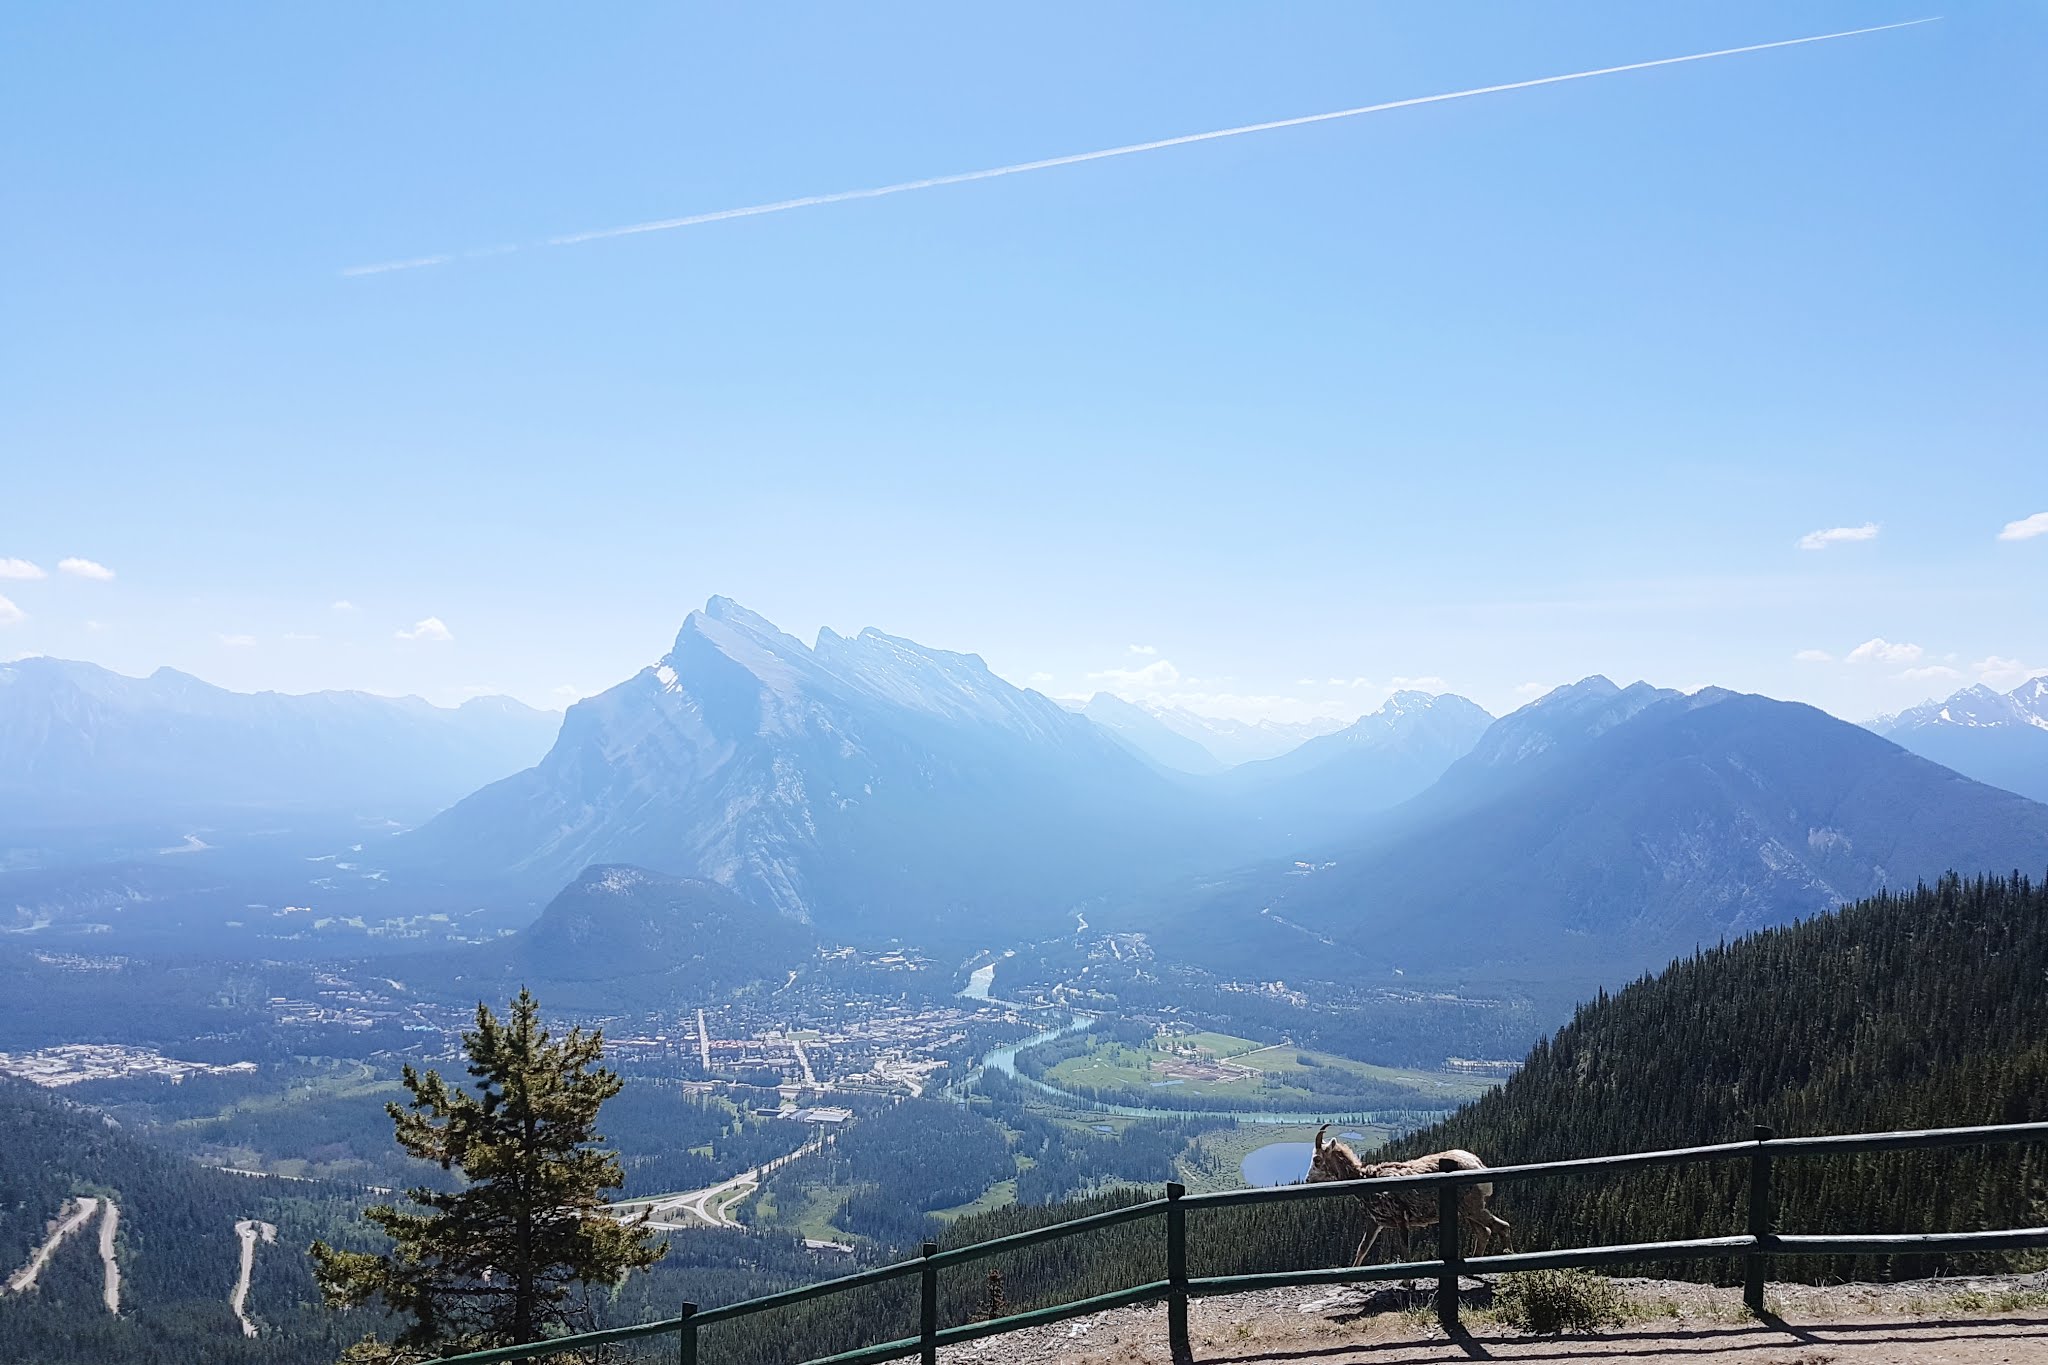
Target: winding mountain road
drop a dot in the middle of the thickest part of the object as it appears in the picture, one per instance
(72, 1216)
(248, 1229)
(24, 1279)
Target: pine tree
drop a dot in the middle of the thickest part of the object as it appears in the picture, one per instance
(993, 1302)
(501, 1260)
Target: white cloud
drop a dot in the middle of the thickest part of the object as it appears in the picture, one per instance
(86, 568)
(2026, 528)
(429, 629)
(95, 625)
(1533, 690)
(239, 641)
(1146, 651)
(1160, 673)
(1253, 707)
(343, 605)
(1161, 683)
(2003, 673)
(299, 635)
(1838, 535)
(1813, 656)
(1040, 678)
(10, 614)
(20, 570)
(1883, 651)
(1930, 672)
(1429, 682)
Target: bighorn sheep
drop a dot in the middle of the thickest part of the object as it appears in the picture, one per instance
(1411, 1206)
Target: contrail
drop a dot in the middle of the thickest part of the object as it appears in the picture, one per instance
(1077, 158)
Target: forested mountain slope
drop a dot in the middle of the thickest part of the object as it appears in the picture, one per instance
(621, 935)
(175, 1247)
(1913, 1010)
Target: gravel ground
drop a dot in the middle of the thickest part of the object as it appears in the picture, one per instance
(1929, 1322)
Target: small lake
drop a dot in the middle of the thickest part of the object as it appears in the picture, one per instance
(1277, 1163)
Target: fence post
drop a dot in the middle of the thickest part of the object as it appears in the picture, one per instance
(1759, 1221)
(928, 1306)
(686, 1336)
(1177, 1273)
(1450, 1251)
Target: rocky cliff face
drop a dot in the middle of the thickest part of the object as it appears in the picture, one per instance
(866, 783)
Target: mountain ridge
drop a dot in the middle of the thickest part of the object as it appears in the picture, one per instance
(1996, 737)
(1608, 844)
(79, 738)
(819, 782)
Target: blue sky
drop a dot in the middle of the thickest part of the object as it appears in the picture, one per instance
(1500, 391)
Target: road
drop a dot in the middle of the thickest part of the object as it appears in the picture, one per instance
(709, 1205)
(111, 1290)
(24, 1279)
(248, 1229)
(675, 1212)
(703, 1043)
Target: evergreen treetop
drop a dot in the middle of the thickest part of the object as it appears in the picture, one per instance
(503, 1259)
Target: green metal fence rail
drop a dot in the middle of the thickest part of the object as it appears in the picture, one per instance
(1754, 1247)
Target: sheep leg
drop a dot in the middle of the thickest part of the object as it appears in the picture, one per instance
(1365, 1244)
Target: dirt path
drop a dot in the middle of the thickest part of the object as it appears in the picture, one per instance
(61, 1227)
(109, 1222)
(248, 1229)
(1954, 1322)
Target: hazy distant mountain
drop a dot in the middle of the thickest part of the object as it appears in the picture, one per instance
(1239, 741)
(1602, 829)
(1995, 737)
(622, 934)
(868, 784)
(81, 743)
(1144, 734)
(1559, 724)
(1331, 782)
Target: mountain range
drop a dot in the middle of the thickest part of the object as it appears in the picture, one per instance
(755, 791)
(83, 746)
(1995, 737)
(1602, 828)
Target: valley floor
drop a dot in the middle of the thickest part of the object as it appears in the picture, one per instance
(1947, 1322)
